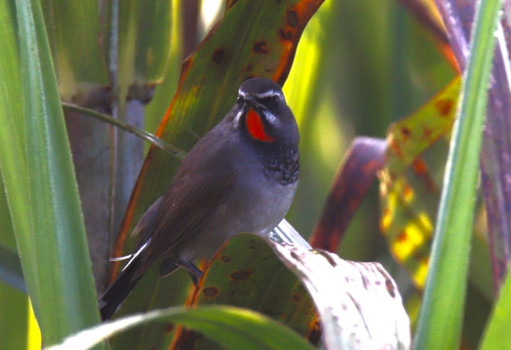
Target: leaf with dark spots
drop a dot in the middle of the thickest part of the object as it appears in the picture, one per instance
(408, 193)
(444, 106)
(240, 275)
(254, 279)
(292, 18)
(261, 47)
(169, 327)
(218, 56)
(424, 127)
(225, 259)
(405, 132)
(420, 170)
(406, 223)
(390, 288)
(350, 298)
(315, 334)
(210, 292)
(285, 35)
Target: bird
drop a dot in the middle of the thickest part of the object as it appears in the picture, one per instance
(241, 176)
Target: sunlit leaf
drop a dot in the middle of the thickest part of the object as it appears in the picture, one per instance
(234, 328)
(408, 196)
(409, 137)
(406, 224)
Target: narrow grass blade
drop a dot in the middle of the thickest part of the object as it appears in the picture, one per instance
(147, 136)
(441, 315)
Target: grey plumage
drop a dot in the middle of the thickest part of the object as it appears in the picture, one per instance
(240, 177)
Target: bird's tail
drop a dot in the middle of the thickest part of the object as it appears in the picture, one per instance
(119, 290)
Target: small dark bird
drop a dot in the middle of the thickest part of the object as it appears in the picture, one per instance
(240, 177)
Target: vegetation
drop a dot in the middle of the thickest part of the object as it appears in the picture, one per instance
(73, 186)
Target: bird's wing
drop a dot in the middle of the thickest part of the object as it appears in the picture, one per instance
(182, 211)
(145, 225)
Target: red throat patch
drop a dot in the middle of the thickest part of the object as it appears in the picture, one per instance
(255, 127)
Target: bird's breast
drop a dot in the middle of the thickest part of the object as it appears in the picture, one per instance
(256, 204)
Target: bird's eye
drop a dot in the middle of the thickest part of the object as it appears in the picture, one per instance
(271, 101)
(240, 100)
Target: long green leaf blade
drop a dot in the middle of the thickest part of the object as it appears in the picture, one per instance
(441, 315)
(497, 332)
(232, 327)
(42, 192)
(14, 332)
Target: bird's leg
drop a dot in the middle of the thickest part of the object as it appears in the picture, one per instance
(194, 272)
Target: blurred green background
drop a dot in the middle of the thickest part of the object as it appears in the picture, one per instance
(360, 66)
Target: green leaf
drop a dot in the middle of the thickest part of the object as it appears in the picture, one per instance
(269, 287)
(234, 328)
(246, 273)
(408, 198)
(77, 38)
(40, 184)
(15, 317)
(14, 305)
(144, 45)
(441, 316)
(497, 332)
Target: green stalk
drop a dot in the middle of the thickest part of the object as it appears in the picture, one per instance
(144, 135)
(441, 316)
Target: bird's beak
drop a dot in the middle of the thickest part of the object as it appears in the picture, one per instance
(252, 102)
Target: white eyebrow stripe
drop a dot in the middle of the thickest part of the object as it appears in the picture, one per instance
(270, 93)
